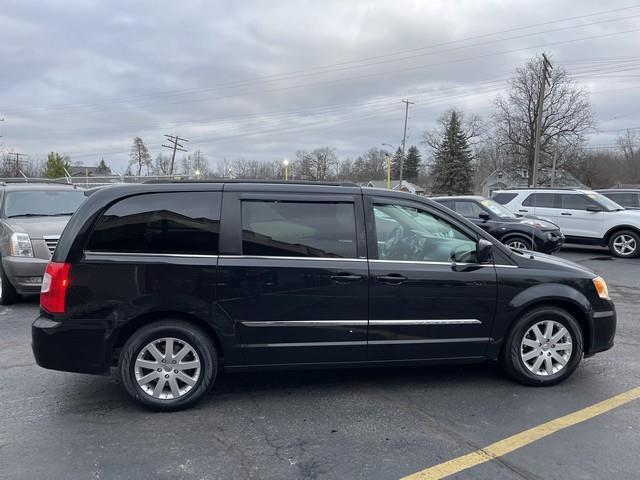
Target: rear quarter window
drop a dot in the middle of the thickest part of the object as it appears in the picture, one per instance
(175, 222)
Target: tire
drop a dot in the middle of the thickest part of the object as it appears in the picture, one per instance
(517, 241)
(8, 294)
(624, 244)
(515, 351)
(141, 383)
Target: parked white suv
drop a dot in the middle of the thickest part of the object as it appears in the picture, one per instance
(584, 216)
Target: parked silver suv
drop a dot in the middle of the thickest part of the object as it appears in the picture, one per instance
(32, 217)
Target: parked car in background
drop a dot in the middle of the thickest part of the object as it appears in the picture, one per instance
(168, 283)
(629, 197)
(32, 217)
(513, 230)
(584, 216)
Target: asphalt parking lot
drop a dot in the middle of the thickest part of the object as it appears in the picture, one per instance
(371, 424)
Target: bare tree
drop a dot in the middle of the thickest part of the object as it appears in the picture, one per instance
(139, 156)
(319, 164)
(566, 117)
(162, 164)
(629, 145)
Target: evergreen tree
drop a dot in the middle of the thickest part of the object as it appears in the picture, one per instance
(395, 164)
(103, 168)
(452, 170)
(55, 166)
(412, 164)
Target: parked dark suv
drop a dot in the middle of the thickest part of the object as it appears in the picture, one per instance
(167, 283)
(515, 231)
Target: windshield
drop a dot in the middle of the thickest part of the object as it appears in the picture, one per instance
(36, 203)
(497, 209)
(608, 204)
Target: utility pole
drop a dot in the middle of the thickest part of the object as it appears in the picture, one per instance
(18, 161)
(404, 137)
(546, 74)
(174, 140)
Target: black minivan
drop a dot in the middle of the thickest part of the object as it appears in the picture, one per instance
(168, 283)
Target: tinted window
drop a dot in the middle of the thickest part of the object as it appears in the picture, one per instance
(575, 202)
(503, 198)
(406, 233)
(543, 200)
(624, 199)
(468, 209)
(178, 222)
(42, 202)
(298, 229)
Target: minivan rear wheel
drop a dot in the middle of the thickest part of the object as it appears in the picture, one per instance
(544, 347)
(168, 365)
(625, 244)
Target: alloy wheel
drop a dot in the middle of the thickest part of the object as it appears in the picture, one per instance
(167, 368)
(546, 348)
(518, 244)
(624, 245)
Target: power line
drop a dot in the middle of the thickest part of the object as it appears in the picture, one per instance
(174, 140)
(329, 68)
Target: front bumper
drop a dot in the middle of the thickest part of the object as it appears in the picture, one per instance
(25, 273)
(70, 346)
(549, 241)
(603, 330)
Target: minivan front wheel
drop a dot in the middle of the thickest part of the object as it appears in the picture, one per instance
(544, 347)
(168, 365)
(625, 244)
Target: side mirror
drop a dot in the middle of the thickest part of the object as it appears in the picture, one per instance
(483, 251)
(484, 216)
(593, 208)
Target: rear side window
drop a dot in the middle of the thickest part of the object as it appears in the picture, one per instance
(543, 200)
(298, 229)
(176, 222)
(503, 198)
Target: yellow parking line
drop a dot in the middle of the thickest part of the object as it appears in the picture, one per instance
(522, 439)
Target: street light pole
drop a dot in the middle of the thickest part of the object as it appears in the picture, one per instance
(285, 162)
(388, 164)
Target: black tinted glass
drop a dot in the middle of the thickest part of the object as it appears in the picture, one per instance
(624, 199)
(503, 198)
(298, 229)
(575, 202)
(178, 222)
(543, 200)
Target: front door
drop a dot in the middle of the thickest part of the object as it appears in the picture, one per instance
(429, 299)
(292, 276)
(575, 220)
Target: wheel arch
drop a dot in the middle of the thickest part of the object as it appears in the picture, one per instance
(133, 325)
(619, 228)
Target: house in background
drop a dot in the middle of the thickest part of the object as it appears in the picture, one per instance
(88, 171)
(501, 179)
(395, 185)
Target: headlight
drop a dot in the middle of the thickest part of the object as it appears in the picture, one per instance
(20, 245)
(601, 287)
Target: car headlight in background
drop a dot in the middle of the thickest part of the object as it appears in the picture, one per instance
(20, 245)
(601, 287)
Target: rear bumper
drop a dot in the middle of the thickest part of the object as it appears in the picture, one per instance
(25, 273)
(603, 330)
(70, 346)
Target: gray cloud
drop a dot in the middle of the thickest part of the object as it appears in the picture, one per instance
(246, 78)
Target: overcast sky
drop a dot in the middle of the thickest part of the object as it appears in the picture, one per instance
(262, 79)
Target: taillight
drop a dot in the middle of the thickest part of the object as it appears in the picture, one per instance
(53, 294)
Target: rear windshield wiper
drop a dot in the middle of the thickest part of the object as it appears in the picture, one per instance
(39, 214)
